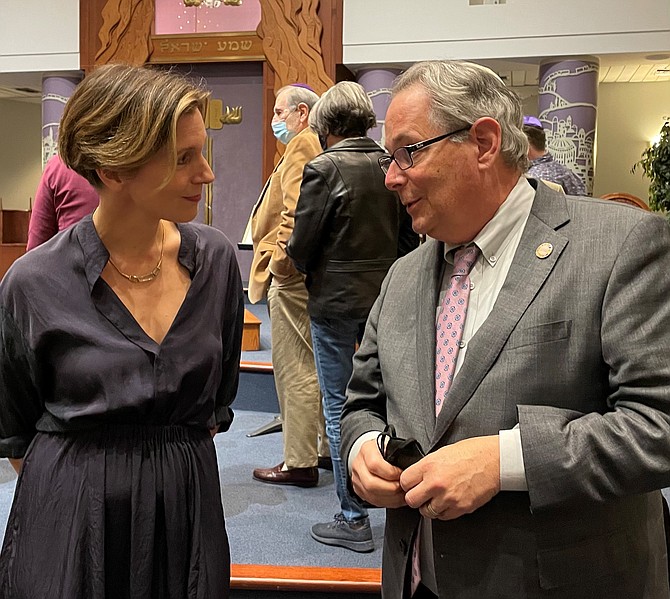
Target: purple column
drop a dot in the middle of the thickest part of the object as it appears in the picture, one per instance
(56, 89)
(568, 99)
(377, 83)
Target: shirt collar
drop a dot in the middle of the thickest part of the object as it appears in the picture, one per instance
(497, 233)
(96, 254)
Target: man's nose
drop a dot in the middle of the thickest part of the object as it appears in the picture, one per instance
(395, 177)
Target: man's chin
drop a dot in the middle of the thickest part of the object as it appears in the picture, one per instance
(419, 226)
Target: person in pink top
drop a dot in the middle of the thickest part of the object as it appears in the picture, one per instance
(62, 198)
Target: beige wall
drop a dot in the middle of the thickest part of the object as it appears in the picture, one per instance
(20, 152)
(629, 115)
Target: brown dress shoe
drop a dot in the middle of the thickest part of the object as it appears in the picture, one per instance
(300, 477)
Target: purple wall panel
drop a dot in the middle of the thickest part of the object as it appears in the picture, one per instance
(568, 100)
(56, 89)
(237, 149)
(377, 83)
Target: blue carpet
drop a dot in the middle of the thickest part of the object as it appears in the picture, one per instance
(269, 524)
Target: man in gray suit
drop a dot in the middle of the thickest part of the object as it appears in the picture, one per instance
(547, 452)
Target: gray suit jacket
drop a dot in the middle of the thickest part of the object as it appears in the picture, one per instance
(576, 351)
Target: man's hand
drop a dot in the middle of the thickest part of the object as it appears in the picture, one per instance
(454, 480)
(375, 480)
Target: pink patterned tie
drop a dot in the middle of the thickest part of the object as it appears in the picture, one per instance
(450, 322)
(449, 332)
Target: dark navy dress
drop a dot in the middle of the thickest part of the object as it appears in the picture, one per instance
(119, 495)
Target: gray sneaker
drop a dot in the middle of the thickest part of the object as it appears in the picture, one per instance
(356, 536)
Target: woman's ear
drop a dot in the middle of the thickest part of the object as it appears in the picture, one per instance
(110, 178)
(487, 134)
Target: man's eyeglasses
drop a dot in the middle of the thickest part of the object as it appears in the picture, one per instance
(403, 156)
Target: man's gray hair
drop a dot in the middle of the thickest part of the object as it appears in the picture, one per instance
(344, 110)
(296, 94)
(462, 92)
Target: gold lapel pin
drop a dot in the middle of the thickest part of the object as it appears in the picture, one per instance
(544, 250)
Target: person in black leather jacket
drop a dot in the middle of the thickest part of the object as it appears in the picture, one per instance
(348, 231)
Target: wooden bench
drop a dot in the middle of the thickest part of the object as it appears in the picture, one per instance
(251, 333)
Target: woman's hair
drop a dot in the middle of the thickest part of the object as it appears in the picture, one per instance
(344, 110)
(462, 92)
(120, 116)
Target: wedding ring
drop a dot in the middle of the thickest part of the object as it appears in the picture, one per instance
(432, 514)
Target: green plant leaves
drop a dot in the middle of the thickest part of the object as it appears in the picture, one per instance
(655, 164)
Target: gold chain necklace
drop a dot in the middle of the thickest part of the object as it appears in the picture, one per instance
(149, 276)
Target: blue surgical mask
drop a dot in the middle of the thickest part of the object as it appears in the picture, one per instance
(282, 133)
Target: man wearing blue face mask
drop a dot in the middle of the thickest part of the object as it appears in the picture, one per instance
(273, 276)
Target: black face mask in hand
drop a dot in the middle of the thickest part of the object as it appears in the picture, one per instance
(396, 451)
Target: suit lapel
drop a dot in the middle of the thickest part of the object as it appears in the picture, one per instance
(426, 299)
(526, 276)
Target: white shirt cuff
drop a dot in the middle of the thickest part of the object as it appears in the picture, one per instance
(356, 447)
(512, 470)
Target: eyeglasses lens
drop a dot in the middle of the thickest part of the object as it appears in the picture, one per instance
(403, 158)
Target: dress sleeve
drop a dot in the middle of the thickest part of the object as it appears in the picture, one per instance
(20, 403)
(231, 334)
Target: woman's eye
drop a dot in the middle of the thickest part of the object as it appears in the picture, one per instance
(183, 159)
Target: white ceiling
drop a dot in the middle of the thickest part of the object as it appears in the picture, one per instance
(25, 87)
(614, 68)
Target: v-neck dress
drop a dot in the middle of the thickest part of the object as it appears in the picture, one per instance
(119, 495)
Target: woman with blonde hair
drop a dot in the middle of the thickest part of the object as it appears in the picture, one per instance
(120, 341)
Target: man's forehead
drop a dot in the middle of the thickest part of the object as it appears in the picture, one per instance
(282, 100)
(408, 114)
